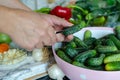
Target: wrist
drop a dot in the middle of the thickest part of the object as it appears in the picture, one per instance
(5, 19)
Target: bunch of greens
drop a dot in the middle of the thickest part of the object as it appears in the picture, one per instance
(91, 12)
(96, 12)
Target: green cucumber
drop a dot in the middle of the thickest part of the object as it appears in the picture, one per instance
(72, 52)
(96, 61)
(70, 44)
(117, 31)
(87, 34)
(90, 42)
(81, 49)
(63, 56)
(97, 42)
(106, 49)
(113, 66)
(115, 40)
(73, 29)
(112, 58)
(84, 55)
(99, 21)
(109, 42)
(79, 42)
(100, 68)
(78, 64)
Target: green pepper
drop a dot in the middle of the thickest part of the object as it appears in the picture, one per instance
(111, 3)
(85, 12)
(72, 20)
(43, 10)
(99, 21)
(88, 17)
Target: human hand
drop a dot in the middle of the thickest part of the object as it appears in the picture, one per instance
(31, 30)
(58, 24)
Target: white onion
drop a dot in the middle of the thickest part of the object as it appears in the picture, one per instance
(55, 72)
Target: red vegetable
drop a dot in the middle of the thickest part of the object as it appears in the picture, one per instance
(62, 12)
(3, 47)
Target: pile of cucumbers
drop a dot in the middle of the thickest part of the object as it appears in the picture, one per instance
(92, 53)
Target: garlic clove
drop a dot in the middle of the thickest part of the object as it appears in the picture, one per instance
(55, 72)
(37, 54)
(41, 55)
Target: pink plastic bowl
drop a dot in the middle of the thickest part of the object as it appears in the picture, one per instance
(77, 73)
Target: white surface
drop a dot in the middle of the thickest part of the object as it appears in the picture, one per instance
(14, 66)
(23, 70)
(26, 71)
(37, 4)
(30, 3)
(97, 32)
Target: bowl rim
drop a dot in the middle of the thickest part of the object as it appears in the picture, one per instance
(100, 71)
(97, 28)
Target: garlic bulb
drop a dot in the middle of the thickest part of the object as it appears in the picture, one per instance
(40, 54)
(55, 72)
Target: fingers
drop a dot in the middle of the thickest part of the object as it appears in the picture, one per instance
(69, 38)
(48, 40)
(49, 37)
(30, 44)
(27, 47)
(60, 22)
(52, 34)
(57, 28)
(61, 38)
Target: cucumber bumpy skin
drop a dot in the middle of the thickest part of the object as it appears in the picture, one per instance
(63, 56)
(73, 29)
(97, 61)
(112, 58)
(117, 31)
(78, 64)
(106, 49)
(71, 44)
(79, 42)
(113, 66)
(115, 40)
(87, 34)
(84, 55)
(72, 52)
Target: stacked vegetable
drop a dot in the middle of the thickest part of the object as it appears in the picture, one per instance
(96, 12)
(93, 53)
(92, 12)
(5, 40)
(9, 55)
